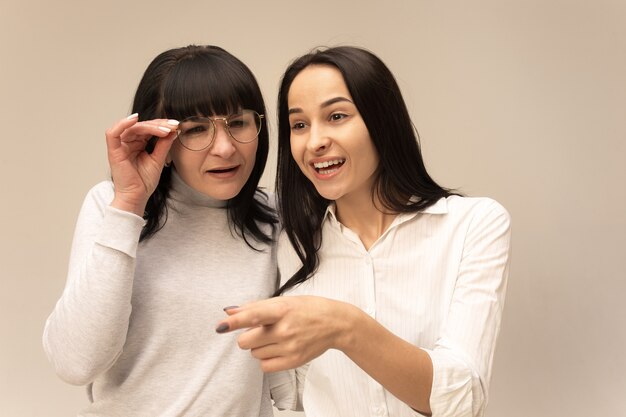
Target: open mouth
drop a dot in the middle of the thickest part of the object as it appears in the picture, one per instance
(328, 167)
(223, 170)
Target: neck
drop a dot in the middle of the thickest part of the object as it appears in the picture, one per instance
(182, 192)
(365, 216)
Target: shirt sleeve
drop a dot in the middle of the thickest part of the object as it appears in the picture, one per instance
(287, 387)
(463, 355)
(87, 329)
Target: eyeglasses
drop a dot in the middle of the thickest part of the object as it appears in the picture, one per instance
(197, 133)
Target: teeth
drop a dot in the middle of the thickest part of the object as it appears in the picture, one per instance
(326, 164)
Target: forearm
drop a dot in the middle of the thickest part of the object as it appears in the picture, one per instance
(87, 329)
(402, 368)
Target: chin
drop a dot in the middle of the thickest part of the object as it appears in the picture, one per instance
(225, 195)
(222, 193)
(330, 194)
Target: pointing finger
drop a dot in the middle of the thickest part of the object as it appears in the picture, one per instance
(260, 313)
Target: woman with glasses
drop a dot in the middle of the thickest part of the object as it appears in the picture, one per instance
(394, 286)
(180, 230)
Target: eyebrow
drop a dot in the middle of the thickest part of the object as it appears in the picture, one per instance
(324, 104)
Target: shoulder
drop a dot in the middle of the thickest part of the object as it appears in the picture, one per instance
(481, 216)
(465, 214)
(458, 205)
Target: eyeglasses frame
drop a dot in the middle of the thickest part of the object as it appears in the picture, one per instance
(213, 121)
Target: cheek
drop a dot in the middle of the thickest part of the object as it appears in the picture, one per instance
(369, 155)
(373, 155)
(297, 153)
(249, 154)
(297, 148)
(177, 155)
(184, 159)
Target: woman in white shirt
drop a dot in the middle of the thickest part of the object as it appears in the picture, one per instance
(180, 230)
(394, 286)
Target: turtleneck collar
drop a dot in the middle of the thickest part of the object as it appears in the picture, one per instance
(181, 192)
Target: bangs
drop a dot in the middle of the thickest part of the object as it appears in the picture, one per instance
(205, 85)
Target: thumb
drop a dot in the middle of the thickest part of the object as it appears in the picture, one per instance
(162, 148)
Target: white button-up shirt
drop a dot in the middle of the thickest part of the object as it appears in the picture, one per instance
(437, 279)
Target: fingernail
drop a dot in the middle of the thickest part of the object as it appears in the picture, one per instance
(172, 122)
(132, 116)
(222, 328)
(230, 307)
(165, 129)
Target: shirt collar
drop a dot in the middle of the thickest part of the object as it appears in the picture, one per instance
(440, 207)
(330, 213)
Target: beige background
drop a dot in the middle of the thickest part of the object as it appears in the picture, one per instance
(522, 101)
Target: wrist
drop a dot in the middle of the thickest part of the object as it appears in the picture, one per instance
(137, 208)
(350, 326)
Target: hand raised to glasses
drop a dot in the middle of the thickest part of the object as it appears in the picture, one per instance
(289, 331)
(135, 172)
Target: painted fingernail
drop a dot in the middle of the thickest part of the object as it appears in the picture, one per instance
(222, 328)
(133, 116)
(173, 122)
(165, 129)
(230, 307)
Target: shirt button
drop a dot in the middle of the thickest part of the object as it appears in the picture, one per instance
(370, 311)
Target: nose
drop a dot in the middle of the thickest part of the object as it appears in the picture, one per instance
(222, 145)
(319, 140)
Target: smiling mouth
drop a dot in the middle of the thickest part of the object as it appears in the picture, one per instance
(328, 167)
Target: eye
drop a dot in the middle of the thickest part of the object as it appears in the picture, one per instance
(335, 117)
(194, 130)
(238, 122)
(298, 126)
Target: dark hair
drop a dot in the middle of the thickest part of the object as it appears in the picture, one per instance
(205, 80)
(400, 176)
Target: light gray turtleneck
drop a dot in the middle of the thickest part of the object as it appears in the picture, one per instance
(136, 321)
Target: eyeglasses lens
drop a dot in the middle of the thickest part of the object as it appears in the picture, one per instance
(197, 133)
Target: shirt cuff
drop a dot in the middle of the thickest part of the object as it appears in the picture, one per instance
(283, 389)
(451, 393)
(120, 230)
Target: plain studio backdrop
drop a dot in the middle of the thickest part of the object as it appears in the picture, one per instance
(521, 101)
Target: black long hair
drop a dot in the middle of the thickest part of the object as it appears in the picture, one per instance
(401, 175)
(205, 80)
